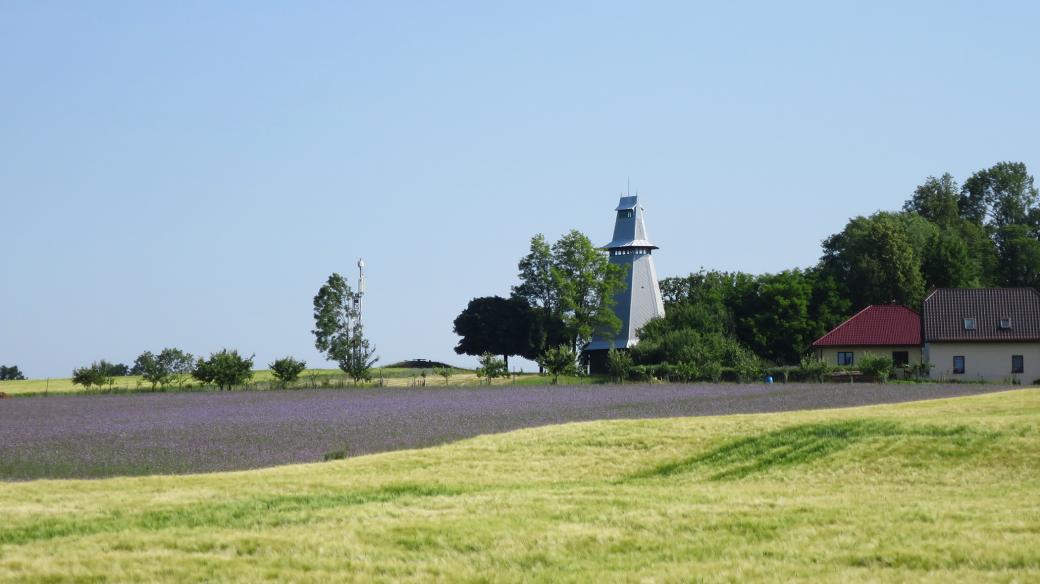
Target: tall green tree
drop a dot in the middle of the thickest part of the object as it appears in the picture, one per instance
(878, 258)
(1019, 256)
(338, 332)
(773, 313)
(539, 289)
(937, 200)
(537, 285)
(496, 325)
(586, 282)
(948, 263)
(1001, 195)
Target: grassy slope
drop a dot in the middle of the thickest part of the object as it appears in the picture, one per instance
(927, 491)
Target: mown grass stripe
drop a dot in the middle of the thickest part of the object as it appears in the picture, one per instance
(805, 443)
(237, 514)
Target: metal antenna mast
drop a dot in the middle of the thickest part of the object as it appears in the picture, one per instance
(360, 294)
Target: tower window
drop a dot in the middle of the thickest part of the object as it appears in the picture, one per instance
(624, 214)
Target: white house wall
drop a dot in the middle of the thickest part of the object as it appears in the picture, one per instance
(984, 361)
(829, 355)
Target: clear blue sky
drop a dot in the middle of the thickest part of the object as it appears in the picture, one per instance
(188, 173)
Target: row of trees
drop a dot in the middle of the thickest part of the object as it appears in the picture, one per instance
(984, 232)
(338, 334)
(566, 293)
(225, 369)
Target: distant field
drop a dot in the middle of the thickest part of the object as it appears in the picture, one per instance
(935, 491)
(263, 379)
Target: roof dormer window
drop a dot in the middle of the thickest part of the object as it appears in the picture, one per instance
(969, 324)
(1005, 324)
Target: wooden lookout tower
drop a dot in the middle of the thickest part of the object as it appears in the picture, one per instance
(640, 299)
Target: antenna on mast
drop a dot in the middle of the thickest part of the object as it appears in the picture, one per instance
(360, 294)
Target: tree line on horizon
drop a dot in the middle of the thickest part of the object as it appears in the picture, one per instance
(982, 233)
(338, 334)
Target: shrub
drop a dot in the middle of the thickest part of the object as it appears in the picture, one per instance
(225, 369)
(746, 365)
(335, 455)
(619, 364)
(712, 371)
(812, 369)
(686, 372)
(879, 367)
(919, 370)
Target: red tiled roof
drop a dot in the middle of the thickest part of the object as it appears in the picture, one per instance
(877, 324)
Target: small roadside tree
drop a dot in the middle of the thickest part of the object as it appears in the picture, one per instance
(286, 370)
(147, 366)
(94, 374)
(558, 361)
(491, 366)
(444, 372)
(225, 369)
(338, 332)
(169, 366)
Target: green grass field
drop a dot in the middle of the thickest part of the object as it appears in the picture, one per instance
(934, 491)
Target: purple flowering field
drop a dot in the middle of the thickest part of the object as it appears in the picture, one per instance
(109, 435)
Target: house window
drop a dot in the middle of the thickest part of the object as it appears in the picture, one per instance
(844, 357)
(900, 358)
(958, 364)
(1005, 323)
(1018, 364)
(969, 324)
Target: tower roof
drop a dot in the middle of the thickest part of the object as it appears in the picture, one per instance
(629, 227)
